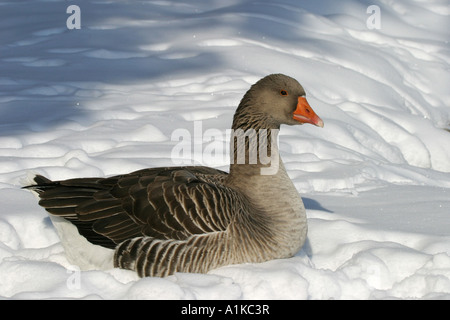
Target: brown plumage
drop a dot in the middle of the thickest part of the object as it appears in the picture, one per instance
(192, 219)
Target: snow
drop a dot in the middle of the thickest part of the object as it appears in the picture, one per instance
(108, 98)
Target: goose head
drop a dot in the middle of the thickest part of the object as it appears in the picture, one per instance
(274, 100)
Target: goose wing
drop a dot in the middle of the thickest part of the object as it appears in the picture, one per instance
(162, 203)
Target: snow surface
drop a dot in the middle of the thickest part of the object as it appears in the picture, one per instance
(109, 98)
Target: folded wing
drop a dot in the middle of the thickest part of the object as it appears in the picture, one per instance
(162, 203)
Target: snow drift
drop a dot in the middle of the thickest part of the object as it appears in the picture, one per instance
(106, 99)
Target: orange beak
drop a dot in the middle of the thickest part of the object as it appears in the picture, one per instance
(305, 114)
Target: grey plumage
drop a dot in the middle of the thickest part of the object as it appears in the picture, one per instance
(192, 219)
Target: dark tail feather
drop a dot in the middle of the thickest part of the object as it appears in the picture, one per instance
(42, 183)
(65, 198)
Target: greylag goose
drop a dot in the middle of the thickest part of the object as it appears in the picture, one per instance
(160, 221)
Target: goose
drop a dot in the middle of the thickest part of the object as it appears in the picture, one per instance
(160, 221)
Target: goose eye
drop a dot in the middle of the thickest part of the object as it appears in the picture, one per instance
(283, 92)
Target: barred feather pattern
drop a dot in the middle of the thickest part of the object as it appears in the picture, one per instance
(154, 257)
(161, 221)
(199, 254)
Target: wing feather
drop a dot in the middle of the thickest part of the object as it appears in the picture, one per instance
(162, 203)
